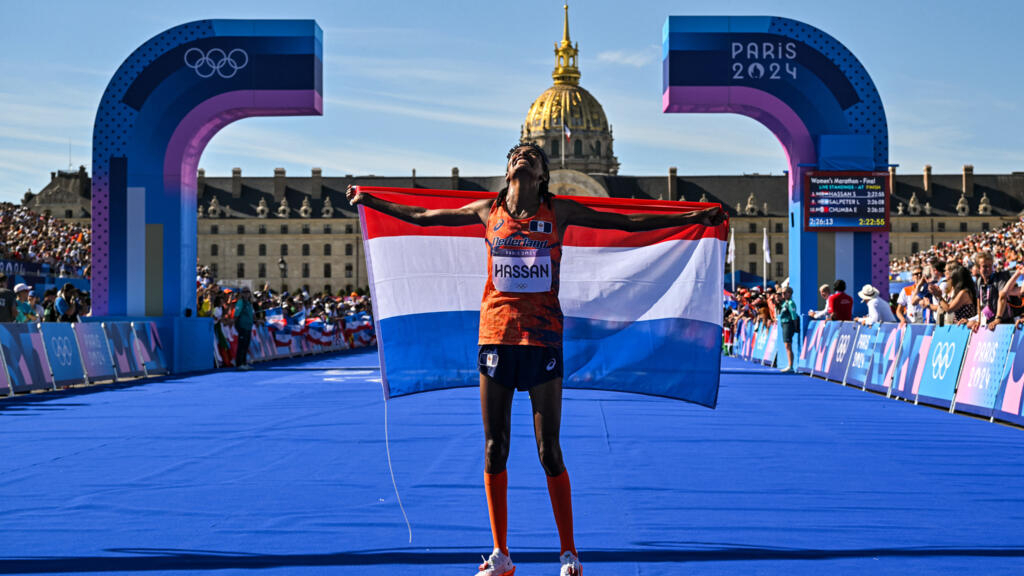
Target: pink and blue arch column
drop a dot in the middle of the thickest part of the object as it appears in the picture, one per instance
(159, 111)
(817, 99)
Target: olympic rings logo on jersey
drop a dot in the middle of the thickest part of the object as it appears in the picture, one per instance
(216, 61)
(62, 350)
(942, 359)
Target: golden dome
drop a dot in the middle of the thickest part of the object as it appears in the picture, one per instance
(587, 144)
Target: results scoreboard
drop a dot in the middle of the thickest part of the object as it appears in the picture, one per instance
(846, 201)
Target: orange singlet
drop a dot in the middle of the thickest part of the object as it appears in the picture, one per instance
(520, 304)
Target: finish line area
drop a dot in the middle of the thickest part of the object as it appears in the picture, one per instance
(284, 469)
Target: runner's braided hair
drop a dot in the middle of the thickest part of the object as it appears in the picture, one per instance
(545, 194)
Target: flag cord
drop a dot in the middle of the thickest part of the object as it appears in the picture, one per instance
(387, 448)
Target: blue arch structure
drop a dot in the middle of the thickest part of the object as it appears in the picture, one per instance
(158, 113)
(817, 99)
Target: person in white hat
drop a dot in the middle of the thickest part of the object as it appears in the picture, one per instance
(25, 311)
(878, 309)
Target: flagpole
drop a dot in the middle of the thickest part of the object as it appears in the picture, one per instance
(732, 257)
(566, 143)
(764, 261)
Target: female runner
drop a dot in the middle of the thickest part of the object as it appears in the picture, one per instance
(520, 345)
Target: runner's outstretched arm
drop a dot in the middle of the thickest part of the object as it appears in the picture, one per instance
(472, 213)
(576, 214)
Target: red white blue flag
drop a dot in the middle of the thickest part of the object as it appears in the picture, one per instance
(643, 310)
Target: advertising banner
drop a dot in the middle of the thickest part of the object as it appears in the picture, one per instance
(937, 383)
(806, 358)
(92, 343)
(823, 347)
(885, 352)
(916, 341)
(982, 372)
(841, 351)
(1008, 402)
(149, 348)
(122, 350)
(863, 355)
(62, 352)
(25, 357)
(760, 344)
(770, 345)
(5, 381)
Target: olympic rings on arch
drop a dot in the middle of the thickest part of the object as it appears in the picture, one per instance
(216, 61)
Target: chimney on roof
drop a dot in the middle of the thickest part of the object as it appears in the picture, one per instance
(927, 185)
(316, 186)
(53, 176)
(413, 178)
(200, 183)
(455, 178)
(670, 190)
(968, 185)
(279, 184)
(892, 180)
(236, 182)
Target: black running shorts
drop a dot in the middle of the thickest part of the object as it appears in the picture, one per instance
(520, 367)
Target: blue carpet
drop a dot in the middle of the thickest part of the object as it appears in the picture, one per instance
(283, 470)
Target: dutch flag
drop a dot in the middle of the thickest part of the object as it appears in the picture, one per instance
(643, 311)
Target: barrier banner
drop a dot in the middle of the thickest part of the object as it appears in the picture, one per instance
(885, 353)
(25, 357)
(62, 352)
(267, 343)
(1008, 401)
(122, 350)
(770, 345)
(916, 341)
(863, 356)
(256, 346)
(981, 375)
(149, 348)
(939, 373)
(808, 347)
(760, 344)
(823, 347)
(92, 343)
(840, 351)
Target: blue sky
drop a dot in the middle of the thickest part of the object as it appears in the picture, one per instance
(431, 85)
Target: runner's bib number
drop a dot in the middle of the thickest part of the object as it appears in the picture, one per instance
(521, 270)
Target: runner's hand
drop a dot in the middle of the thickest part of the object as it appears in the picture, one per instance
(354, 196)
(712, 216)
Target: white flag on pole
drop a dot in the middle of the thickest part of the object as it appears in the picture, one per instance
(730, 256)
(767, 249)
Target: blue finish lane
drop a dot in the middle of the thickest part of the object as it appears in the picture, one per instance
(284, 470)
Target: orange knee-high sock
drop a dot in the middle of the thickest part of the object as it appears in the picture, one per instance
(561, 505)
(497, 507)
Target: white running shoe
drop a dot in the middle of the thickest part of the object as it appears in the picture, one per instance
(570, 565)
(497, 565)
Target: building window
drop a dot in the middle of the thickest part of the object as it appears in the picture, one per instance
(214, 229)
(985, 227)
(554, 148)
(213, 269)
(778, 228)
(597, 148)
(241, 229)
(305, 269)
(327, 249)
(263, 270)
(240, 249)
(214, 250)
(305, 249)
(915, 227)
(752, 228)
(241, 270)
(778, 247)
(963, 226)
(752, 267)
(69, 213)
(262, 229)
(778, 270)
(263, 249)
(305, 228)
(752, 248)
(327, 228)
(284, 249)
(348, 229)
(327, 269)
(348, 249)
(941, 226)
(914, 246)
(284, 228)
(577, 149)
(348, 270)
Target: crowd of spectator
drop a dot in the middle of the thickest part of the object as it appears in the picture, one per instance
(1006, 245)
(40, 239)
(67, 304)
